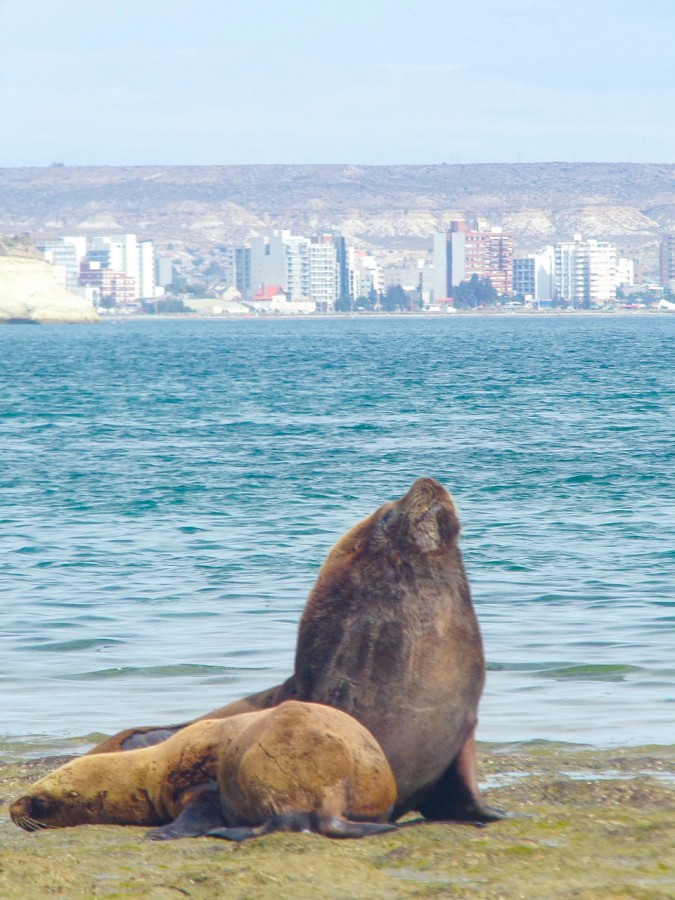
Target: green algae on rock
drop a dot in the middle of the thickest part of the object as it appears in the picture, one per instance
(585, 823)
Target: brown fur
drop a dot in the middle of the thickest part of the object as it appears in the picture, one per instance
(303, 757)
(294, 758)
(390, 636)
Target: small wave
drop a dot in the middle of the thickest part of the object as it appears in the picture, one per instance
(592, 672)
(82, 644)
(586, 478)
(178, 670)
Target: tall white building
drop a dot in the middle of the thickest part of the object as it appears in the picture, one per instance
(301, 266)
(585, 272)
(79, 242)
(323, 275)
(365, 274)
(297, 266)
(533, 274)
(625, 272)
(125, 255)
(146, 270)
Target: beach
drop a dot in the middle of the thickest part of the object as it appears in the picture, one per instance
(584, 823)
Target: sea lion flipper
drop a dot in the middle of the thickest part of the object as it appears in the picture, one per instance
(328, 826)
(201, 814)
(455, 797)
(336, 827)
(136, 738)
(235, 834)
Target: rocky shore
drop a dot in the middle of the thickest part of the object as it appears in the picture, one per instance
(585, 823)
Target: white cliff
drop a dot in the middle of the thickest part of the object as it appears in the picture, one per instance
(29, 292)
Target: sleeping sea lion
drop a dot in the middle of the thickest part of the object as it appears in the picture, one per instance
(295, 767)
(389, 635)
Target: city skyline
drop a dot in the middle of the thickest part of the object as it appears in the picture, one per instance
(282, 271)
(167, 84)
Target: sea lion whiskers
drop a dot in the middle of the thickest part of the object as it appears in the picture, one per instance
(29, 824)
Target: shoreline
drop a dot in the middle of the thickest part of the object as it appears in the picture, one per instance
(584, 823)
(121, 319)
(24, 749)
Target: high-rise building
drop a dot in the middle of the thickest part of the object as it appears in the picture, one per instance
(107, 284)
(625, 272)
(533, 275)
(460, 253)
(145, 282)
(79, 242)
(667, 261)
(324, 271)
(303, 267)
(366, 276)
(268, 261)
(242, 270)
(585, 272)
(125, 255)
(342, 265)
(163, 271)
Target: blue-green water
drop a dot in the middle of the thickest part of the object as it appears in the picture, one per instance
(169, 490)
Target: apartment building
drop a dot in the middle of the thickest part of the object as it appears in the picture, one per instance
(366, 276)
(124, 255)
(667, 262)
(462, 252)
(585, 272)
(302, 266)
(533, 275)
(107, 285)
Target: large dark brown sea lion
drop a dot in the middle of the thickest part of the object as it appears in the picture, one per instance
(390, 636)
(296, 767)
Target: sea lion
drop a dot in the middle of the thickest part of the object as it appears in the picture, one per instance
(295, 767)
(389, 635)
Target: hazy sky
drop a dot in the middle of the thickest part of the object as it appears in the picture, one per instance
(87, 82)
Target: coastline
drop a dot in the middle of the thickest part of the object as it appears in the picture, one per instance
(585, 823)
(117, 318)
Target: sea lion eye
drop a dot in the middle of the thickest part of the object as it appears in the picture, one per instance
(73, 794)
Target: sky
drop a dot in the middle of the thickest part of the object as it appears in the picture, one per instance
(142, 82)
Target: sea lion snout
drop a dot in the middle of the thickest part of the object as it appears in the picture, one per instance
(31, 812)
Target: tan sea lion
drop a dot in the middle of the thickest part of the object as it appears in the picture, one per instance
(295, 767)
(389, 635)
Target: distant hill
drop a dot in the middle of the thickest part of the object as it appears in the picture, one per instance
(201, 206)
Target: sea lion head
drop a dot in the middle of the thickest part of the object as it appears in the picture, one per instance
(84, 791)
(421, 522)
(406, 552)
(424, 519)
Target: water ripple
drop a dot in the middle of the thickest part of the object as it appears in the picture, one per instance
(170, 489)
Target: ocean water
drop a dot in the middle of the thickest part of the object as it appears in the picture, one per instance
(169, 490)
